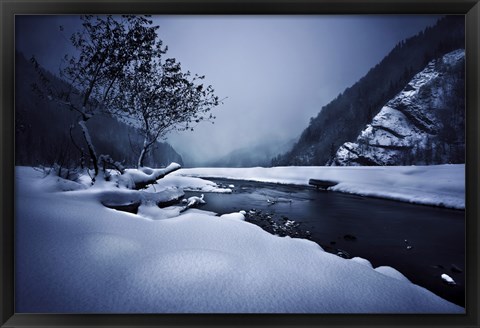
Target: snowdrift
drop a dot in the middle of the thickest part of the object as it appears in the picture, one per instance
(74, 255)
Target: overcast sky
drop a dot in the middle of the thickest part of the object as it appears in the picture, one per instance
(275, 71)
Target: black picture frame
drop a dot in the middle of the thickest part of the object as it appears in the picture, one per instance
(8, 10)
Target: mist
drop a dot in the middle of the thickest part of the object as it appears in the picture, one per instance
(273, 73)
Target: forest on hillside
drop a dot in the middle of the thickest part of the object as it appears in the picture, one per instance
(344, 118)
(47, 134)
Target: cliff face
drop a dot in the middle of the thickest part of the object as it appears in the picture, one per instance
(343, 119)
(423, 124)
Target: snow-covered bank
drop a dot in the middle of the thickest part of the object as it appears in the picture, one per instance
(438, 185)
(75, 255)
(192, 184)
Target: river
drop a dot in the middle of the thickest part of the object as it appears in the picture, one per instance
(422, 242)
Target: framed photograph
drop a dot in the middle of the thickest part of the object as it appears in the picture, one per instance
(231, 163)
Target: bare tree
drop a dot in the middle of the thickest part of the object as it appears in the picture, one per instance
(105, 48)
(157, 97)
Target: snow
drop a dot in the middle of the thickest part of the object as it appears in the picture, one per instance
(194, 200)
(445, 277)
(394, 120)
(191, 184)
(153, 212)
(405, 124)
(453, 57)
(391, 272)
(362, 261)
(438, 185)
(134, 177)
(73, 255)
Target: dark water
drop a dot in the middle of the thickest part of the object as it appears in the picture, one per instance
(422, 242)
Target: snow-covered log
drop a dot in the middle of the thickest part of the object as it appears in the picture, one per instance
(144, 176)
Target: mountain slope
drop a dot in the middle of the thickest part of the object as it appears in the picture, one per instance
(418, 125)
(345, 117)
(45, 133)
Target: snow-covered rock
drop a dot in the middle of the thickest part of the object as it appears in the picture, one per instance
(406, 130)
(449, 280)
(194, 201)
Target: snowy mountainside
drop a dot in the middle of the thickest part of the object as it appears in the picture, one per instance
(343, 118)
(423, 124)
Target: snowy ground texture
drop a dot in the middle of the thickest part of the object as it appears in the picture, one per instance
(438, 185)
(75, 255)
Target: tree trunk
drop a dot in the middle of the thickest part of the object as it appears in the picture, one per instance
(147, 143)
(159, 174)
(91, 148)
(141, 158)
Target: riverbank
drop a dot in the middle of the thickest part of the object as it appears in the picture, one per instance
(422, 242)
(437, 185)
(74, 255)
